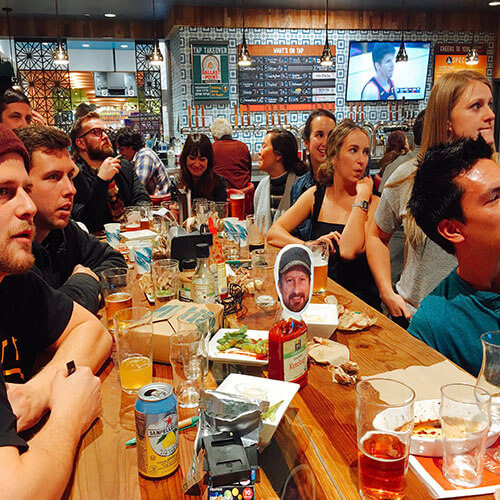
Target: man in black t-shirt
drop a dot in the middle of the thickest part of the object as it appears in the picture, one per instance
(36, 319)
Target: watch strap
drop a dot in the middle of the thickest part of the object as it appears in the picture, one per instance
(364, 205)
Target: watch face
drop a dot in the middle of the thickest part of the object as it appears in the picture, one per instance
(364, 205)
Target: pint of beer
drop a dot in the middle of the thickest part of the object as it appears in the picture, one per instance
(237, 202)
(320, 253)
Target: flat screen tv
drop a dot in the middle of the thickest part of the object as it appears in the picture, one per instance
(373, 74)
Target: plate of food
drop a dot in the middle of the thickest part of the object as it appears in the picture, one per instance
(245, 347)
(426, 435)
(277, 393)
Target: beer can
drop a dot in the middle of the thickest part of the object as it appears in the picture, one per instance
(156, 430)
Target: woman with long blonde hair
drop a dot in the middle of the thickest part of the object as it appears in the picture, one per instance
(459, 106)
(340, 207)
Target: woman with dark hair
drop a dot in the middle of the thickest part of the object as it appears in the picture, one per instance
(197, 169)
(341, 207)
(316, 129)
(279, 158)
(397, 145)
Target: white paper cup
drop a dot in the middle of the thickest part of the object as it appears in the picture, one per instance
(112, 234)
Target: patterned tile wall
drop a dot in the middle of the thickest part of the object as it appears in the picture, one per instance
(374, 112)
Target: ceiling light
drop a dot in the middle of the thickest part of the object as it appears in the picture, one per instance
(244, 58)
(110, 15)
(472, 57)
(402, 55)
(124, 46)
(326, 58)
(156, 57)
(85, 45)
(60, 55)
(494, 4)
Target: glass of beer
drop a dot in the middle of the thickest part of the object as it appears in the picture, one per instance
(255, 228)
(165, 275)
(117, 293)
(132, 219)
(237, 202)
(321, 253)
(134, 342)
(384, 421)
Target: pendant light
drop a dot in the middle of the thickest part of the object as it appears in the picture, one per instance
(13, 73)
(156, 57)
(244, 58)
(60, 55)
(326, 58)
(472, 57)
(402, 55)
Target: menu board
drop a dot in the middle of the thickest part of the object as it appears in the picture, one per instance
(451, 57)
(286, 74)
(210, 72)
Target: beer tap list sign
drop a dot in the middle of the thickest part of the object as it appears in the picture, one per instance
(288, 75)
(451, 57)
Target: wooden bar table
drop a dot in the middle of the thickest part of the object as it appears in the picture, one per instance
(313, 453)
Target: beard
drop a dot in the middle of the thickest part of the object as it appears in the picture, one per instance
(15, 262)
(99, 153)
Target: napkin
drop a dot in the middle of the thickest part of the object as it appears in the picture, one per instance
(427, 381)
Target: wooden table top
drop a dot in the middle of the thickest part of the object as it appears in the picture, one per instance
(313, 453)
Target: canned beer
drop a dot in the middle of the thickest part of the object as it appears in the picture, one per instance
(156, 428)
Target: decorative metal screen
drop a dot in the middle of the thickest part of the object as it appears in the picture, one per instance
(46, 84)
(149, 118)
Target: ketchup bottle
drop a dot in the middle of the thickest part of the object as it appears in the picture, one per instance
(288, 351)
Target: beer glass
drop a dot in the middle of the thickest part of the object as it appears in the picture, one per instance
(132, 219)
(321, 253)
(116, 290)
(465, 420)
(134, 342)
(237, 202)
(489, 379)
(255, 228)
(384, 421)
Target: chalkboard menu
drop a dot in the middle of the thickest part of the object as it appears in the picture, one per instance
(210, 72)
(286, 74)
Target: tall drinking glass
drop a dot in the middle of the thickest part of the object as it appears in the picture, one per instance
(489, 379)
(465, 420)
(384, 420)
(165, 275)
(255, 228)
(237, 202)
(117, 292)
(321, 253)
(263, 280)
(134, 342)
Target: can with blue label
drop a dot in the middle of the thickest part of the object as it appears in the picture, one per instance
(157, 431)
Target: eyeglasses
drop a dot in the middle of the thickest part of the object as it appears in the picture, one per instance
(98, 132)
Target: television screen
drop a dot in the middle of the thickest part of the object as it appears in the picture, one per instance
(373, 74)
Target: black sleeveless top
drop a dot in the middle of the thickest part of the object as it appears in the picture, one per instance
(354, 275)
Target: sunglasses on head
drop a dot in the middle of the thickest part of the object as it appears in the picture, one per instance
(98, 132)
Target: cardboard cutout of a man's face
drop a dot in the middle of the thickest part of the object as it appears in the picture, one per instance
(293, 277)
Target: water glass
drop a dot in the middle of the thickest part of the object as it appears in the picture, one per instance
(384, 421)
(165, 275)
(186, 358)
(255, 229)
(116, 290)
(465, 420)
(134, 342)
(231, 241)
(263, 280)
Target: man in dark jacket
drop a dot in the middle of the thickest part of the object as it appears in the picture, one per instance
(66, 256)
(105, 184)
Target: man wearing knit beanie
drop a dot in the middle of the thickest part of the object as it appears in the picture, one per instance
(33, 319)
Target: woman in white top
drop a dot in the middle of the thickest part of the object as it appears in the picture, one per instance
(459, 106)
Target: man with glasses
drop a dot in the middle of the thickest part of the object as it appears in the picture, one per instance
(105, 184)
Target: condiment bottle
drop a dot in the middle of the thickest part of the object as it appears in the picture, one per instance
(186, 279)
(203, 288)
(217, 262)
(288, 351)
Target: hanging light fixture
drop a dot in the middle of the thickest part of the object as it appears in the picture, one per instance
(244, 58)
(60, 55)
(326, 58)
(156, 57)
(9, 65)
(472, 56)
(402, 55)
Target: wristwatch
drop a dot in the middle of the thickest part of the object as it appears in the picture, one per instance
(363, 205)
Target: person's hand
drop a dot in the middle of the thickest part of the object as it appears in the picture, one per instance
(328, 238)
(76, 397)
(364, 188)
(28, 403)
(37, 118)
(109, 168)
(396, 305)
(84, 270)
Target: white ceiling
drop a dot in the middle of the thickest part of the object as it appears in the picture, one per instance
(142, 9)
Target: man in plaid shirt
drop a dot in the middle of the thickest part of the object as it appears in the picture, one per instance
(148, 167)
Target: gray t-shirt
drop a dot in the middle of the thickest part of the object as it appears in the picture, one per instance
(427, 263)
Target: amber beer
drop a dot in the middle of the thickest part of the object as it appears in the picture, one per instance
(382, 466)
(115, 302)
(237, 202)
(320, 276)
